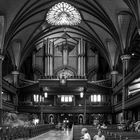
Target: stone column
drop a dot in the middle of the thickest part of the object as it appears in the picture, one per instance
(1, 113)
(125, 61)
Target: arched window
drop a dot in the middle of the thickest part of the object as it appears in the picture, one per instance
(96, 98)
(66, 98)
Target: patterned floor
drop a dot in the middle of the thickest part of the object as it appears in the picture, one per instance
(54, 135)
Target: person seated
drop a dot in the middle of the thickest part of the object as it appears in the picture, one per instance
(85, 134)
(132, 126)
(98, 127)
(104, 126)
(99, 136)
(137, 126)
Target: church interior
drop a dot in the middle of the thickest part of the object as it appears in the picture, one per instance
(69, 64)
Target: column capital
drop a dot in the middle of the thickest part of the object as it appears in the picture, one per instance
(114, 72)
(125, 57)
(15, 72)
(1, 57)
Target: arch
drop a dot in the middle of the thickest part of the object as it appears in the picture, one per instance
(81, 119)
(51, 119)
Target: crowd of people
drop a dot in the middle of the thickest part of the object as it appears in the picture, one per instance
(86, 135)
(130, 126)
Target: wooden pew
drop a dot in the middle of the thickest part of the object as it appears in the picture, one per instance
(9, 133)
(122, 135)
(91, 130)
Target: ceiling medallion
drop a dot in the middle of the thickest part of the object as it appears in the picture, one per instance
(63, 14)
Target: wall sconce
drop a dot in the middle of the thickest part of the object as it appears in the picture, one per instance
(81, 94)
(45, 94)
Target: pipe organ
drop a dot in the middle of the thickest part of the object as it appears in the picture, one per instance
(49, 58)
(81, 57)
(53, 57)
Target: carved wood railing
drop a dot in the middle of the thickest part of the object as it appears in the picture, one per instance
(100, 108)
(130, 102)
(8, 106)
(8, 86)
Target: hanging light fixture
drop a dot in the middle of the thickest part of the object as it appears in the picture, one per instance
(45, 94)
(81, 94)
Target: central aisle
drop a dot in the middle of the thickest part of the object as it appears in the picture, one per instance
(54, 135)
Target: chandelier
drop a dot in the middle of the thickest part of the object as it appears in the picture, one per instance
(63, 14)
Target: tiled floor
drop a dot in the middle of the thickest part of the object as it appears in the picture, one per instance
(54, 135)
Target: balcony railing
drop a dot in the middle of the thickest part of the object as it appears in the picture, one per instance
(98, 108)
(8, 105)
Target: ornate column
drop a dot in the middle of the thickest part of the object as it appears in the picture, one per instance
(125, 61)
(1, 59)
(114, 80)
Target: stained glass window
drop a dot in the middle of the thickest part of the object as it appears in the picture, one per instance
(63, 14)
(66, 98)
(95, 98)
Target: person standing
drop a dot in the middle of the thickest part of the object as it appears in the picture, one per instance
(99, 136)
(86, 135)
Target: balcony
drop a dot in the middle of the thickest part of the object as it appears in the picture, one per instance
(8, 106)
(95, 108)
(55, 81)
(131, 102)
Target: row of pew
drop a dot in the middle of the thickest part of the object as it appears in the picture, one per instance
(15, 133)
(121, 135)
(111, 133)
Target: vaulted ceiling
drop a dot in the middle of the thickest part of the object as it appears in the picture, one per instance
(111, 26)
